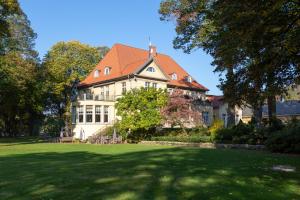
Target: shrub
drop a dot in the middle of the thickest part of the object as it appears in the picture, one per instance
(217, 125)
(286, 140)
(183, 138)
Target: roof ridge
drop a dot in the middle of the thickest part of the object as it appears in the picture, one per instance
(139, 48)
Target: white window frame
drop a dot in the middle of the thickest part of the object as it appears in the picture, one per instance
(96, 73)
(80, 113)
(154, 85)
(174, 76)
(106, 70)
(124, 88)
(150, 69)
(147, 84)
(90, 112)
(106, 113)
(98, 112)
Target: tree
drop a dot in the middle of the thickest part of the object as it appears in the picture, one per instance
(64, 63)
(180, 110)
(258, 41)
(21, 101)
(139, 109)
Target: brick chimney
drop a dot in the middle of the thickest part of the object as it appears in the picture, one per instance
(152, 51)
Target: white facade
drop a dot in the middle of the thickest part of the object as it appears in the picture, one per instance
(95, 106)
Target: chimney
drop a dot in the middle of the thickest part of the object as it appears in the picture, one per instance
(152, 51)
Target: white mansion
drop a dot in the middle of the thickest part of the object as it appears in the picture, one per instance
(122, 69)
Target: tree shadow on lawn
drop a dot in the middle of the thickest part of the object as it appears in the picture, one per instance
(175, 173)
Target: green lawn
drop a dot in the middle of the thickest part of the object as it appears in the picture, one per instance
(30, 170)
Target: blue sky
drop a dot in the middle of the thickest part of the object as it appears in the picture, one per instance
(98, 23)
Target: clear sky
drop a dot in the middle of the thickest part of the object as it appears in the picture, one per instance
(105, 22)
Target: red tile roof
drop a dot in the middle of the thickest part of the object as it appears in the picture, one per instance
(215, 100)
(125, 60)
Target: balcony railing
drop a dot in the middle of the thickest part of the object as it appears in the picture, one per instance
(87, 97)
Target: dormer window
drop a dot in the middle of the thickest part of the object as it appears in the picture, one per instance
(106, 70)
(174, 76)
(150, 69)
(96, 73)
(189, 79)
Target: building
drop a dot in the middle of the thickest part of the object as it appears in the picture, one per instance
(285, 110)
(220, 109)
(122, 69)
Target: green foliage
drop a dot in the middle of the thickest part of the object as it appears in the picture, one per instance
(64, 63)
(256, 44)
(241, 134)
(139, 109)
(286, 140)
(217, 125)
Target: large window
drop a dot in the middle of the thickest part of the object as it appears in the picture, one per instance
(80, 114)
(74, 114)
(105, 114)
(205, 117)
(154, 85)
(89, 114)
(123, 87)
(97, 113)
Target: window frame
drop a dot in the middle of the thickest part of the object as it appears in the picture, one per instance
(150, 69)
(174, 76)
(98, 112)
(106, 114)
(89, 113)
(106, 70)
(147, 84)
(96, 73)
(80, 111)
(124, 87)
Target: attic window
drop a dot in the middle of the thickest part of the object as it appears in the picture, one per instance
(96, 73)
(174, 76)
(189, 79)
(106, 70)
(150, 69)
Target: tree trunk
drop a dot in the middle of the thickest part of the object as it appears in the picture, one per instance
(271, 108)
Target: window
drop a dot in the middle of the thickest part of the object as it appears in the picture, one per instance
(174, 76)
(107, 70)
(154, 85)
(97, 113)
(73, 114)
(150, 69)
(101, 93)
(205, 117)
(189, 79)
(170, 90)
(96, 73)
(147, 84)
(105, 114)
(107, 92)
(123, 87)
(80, 114)
(89, 114)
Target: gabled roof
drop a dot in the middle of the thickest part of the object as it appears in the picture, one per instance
(125, 60)
(216, 101)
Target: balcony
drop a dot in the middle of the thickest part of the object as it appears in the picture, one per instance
(93, 97)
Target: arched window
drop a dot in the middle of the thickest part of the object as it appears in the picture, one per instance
(150, 69)
(174, 76)
(96, 73)
(107, 70)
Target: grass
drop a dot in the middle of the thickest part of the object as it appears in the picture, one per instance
(31, 170)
